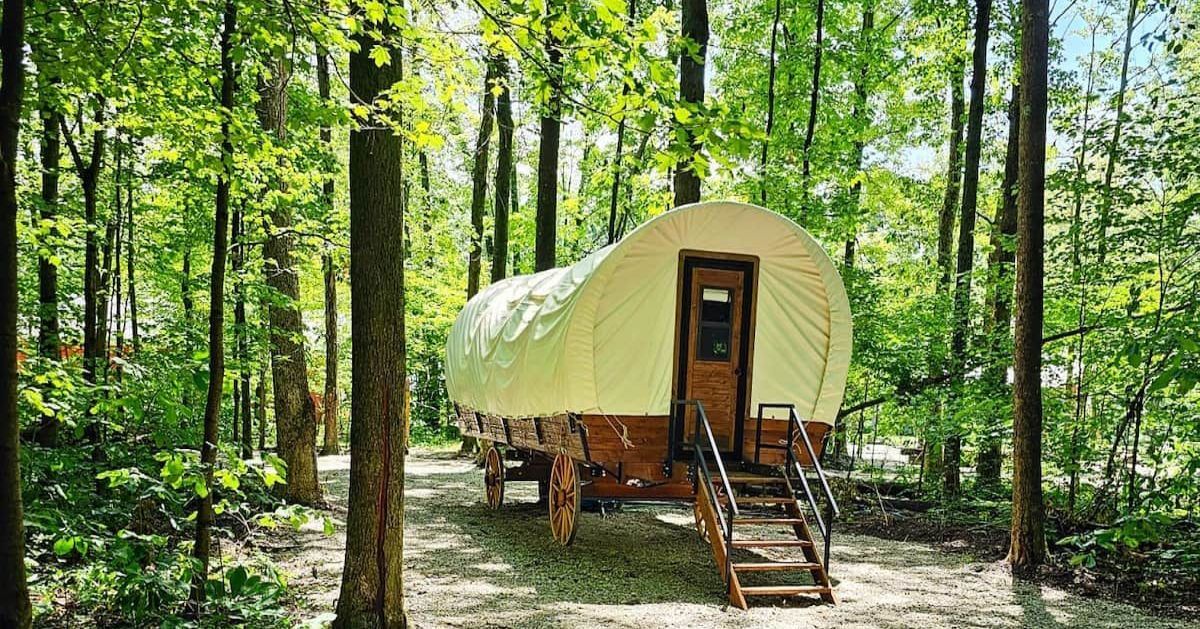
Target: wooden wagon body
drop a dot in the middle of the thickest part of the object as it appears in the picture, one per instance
(639, 466)
(715, 337)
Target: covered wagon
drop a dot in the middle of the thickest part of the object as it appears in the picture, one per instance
(702, 358)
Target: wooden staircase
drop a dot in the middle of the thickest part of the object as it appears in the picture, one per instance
(771, 523)
(733, 510)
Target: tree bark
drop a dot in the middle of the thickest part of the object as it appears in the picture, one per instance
(932, 458)
(329, 405)
(372, 591)
(15, 609)
(1077, 276)
(89, 172)
(295, 414)
(48, 325)
(131, 296)
(241, 332)
(546, 238)
(862, 119)
(694, 28)
(813, 100)
(504, 166)
(618, 160)
(1000, 261)
(762, 161)
(260, 396)
(952, 450)
(216, 318)
(479, 180)
(1118, 122)
(1028, 541)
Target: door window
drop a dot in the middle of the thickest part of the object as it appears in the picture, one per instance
(716, 320)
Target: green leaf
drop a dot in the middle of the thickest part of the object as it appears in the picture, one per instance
(237, 580)
(1163, 379)
(64, 546)
(381, 56)
(375, 11)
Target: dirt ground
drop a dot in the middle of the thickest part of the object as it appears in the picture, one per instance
(644, 566)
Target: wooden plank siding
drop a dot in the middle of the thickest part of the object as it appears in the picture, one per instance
(597, 439)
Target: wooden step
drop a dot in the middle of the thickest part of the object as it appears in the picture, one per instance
(768, 566)
(772, 543)
(761, 500)
(752, 479)
(784, 590)
(768, 521)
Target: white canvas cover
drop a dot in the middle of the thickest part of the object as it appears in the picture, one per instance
(598, 337)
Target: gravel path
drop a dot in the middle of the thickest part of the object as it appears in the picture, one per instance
(645, 567)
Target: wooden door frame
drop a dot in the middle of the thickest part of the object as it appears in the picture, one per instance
(689, 260)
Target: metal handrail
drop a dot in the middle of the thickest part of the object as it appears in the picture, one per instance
(702, 421)
(816, 461)
(792, 466)
(706, 480)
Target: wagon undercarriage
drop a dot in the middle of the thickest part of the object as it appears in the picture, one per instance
(757, 512)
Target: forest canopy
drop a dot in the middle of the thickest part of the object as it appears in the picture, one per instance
(183, 179)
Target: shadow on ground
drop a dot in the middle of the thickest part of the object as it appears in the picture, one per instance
(645, 566)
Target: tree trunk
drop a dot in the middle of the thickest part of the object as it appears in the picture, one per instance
(1077, 277)
(295, 415)
(48, 328)
(1028, 540)
(479, 179)
(860, 118)
(216, 319)
(932, 458)
(103, 304)
(1004, 230)
(241, 249)
(946, 218)
(89, 172)
(1118, 122)
(15, 610)
(547, 179)
(372, 591)
(694, 28)
(241, 393)
(135, 337)
(504, 166)
(237, 407)
(813, 99)
(618, 160)
(260, 396)
(330, 400)
(952, 450)
(862, 122)
(762, 161)
(329, 405)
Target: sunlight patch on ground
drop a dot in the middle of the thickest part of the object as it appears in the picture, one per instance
(644, 566)
(676, 518)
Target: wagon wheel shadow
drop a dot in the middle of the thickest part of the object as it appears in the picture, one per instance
(636, 555)
(631, 556)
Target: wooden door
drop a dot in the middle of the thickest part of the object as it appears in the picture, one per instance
(714, 347)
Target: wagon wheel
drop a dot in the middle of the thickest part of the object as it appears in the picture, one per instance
(564, 499)
(493, 478)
